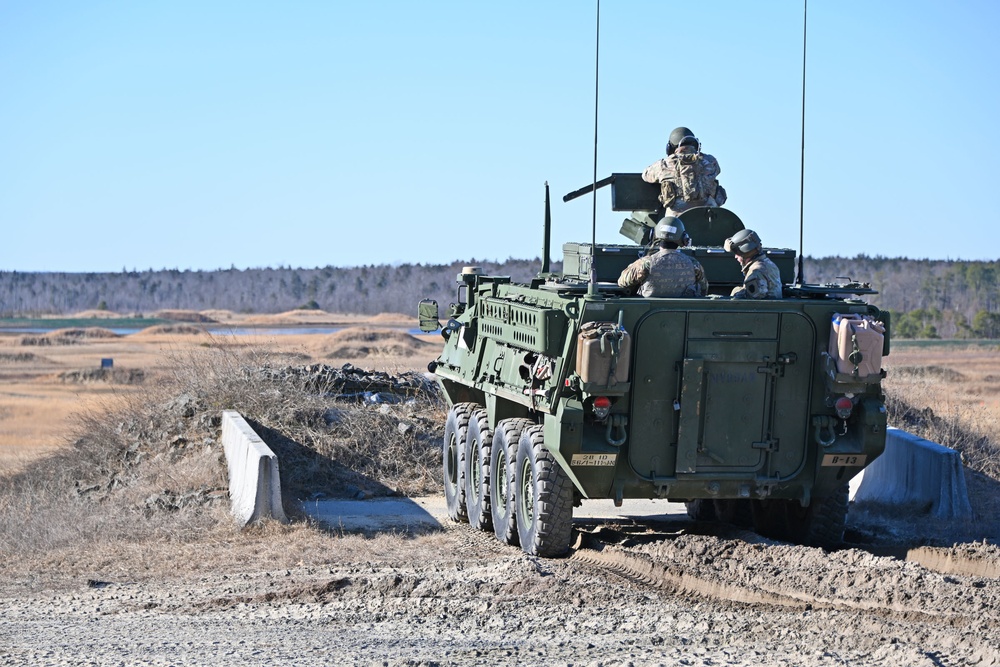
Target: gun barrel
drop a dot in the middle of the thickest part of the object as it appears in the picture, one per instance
(589, 188)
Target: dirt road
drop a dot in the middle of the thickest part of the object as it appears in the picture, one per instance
(675, 593)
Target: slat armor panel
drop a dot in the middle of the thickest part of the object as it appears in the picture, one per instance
(539, 330)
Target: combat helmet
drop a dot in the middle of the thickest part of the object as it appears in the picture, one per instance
(677, 136)
(671, 230)
(744, 242)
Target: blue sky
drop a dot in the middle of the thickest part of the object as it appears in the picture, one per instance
(201, 135)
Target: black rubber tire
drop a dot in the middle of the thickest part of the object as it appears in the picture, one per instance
(478, 445)
(734, 511)
(702, 509)
(769, 518)
(503, 457)
(821, 524)
(543, 498)
(456, 428)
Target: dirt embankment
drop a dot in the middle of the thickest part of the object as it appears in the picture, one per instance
(70, 336)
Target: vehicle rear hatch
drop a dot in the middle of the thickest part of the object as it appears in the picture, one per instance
(721, 393)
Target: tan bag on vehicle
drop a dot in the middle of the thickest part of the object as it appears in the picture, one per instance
(856, 344)
(602, 353)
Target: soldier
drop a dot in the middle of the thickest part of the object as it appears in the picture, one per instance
(761, 277)
(687, 177)
(667, 272)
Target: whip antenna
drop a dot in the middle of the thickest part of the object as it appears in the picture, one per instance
(802, 165)
(592, 289)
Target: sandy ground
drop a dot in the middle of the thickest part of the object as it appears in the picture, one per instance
(671, 591)
(673, 594)
(37, 402)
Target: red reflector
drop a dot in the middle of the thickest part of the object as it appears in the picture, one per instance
(602, 402)
(843, 406)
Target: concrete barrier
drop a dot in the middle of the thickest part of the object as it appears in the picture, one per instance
(916, 473)
(254, 483)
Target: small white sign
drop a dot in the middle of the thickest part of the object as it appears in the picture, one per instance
(594, 459)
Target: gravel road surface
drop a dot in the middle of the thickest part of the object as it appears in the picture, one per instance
(672, 592)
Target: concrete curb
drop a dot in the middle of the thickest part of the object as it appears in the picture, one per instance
(917, 473)
(378, 514)
(254, 483)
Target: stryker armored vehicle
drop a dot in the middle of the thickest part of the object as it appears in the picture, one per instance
(755, 412)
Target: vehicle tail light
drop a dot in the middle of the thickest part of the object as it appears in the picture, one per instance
(843, 406)
(602, 406)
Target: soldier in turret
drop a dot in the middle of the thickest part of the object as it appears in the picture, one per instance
(667, 272)
(687, 177)
(761, 277)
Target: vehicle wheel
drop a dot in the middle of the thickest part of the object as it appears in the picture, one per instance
(822, 523)
(543, 499)
(702, 509)
(734, 511)
(456, 429)
(769, 518)
(502, 459)
(478, 443)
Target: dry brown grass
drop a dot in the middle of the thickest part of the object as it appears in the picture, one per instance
(147, 464)
(95, 314)
(18, 357)
(188, 549)
(394, 318)
(160, 329)
(36, 407)
(950, 396)
(366, 342)
(220, 315)
(107, 375)
(183, 316)
(72, 336)
(947, 397)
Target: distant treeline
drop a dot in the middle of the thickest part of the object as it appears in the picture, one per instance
(929, 298)
(365, 290)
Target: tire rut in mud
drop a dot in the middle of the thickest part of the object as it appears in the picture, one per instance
(958, 587)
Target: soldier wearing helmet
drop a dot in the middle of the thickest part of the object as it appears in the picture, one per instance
(687, 177)
(667, 272)
(761, 277)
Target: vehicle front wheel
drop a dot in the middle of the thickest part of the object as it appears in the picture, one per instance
(544, 498)
(456, 428)
(478, 444)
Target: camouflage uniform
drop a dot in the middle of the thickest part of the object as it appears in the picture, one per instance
(668, 272)
(761, 279)
(702, 186)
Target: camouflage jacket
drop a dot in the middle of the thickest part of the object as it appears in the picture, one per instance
(761, 280)
(666, 273)
(687, 178)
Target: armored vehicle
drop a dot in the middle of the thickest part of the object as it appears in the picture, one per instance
(568, 388)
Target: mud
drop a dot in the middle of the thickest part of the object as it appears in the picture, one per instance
(679, 593)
